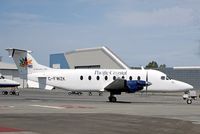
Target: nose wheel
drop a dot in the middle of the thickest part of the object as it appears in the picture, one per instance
(189, 101)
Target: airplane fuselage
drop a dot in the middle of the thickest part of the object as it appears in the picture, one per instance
(98, 79)
(4, 83)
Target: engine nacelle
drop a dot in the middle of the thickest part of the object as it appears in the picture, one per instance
(131, 86)
(135, 85)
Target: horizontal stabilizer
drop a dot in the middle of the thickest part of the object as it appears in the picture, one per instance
(32, 84)
(12, 51)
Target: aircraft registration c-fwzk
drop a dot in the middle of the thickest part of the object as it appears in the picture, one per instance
(114, 81)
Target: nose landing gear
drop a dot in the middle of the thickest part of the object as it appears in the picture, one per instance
(189, 96)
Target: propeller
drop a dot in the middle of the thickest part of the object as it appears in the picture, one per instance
(147, 77)
(147, 82)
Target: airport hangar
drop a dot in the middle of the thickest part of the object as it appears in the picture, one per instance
(99, 58)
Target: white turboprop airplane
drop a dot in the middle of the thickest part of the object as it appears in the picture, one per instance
(114, 81)
(7, 83)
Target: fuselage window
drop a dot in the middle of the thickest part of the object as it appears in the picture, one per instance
(162, 77)
(114, 77)
(98, 77)
(89, 77)
(106, 77)
(81, 77)
(130, 78)
(122, 77)
(138, 78)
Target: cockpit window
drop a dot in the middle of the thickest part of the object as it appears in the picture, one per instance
(167, 78)
(2, 77)
(162, 77)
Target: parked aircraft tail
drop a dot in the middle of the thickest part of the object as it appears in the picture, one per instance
(27, 65)
(25, 62)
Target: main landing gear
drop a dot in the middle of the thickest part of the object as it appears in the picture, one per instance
(12, 92)
(112, 98)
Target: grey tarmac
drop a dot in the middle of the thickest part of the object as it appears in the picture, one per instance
(55, 112)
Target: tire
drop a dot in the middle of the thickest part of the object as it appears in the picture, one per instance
(189, 101)
(5, 92)
(69, 93)
(12, 93)
(112, 99)
(17, 93)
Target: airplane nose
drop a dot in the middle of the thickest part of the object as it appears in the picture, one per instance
(188, 86)
(181, 86)
(185, 86)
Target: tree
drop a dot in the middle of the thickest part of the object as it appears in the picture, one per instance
(152, 65)
(162, 66)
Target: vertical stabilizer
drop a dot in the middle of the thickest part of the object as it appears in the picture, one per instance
(25, 63)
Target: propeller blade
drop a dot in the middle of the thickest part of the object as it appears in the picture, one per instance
(147, 81)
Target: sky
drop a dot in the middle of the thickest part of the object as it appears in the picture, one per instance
(138, 31)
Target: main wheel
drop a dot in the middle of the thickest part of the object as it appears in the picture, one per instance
(5, 92)
(189, 101)
(17, 93)
(112, 98)
(90, 93)
(100, 93)
(69, 93)
(12, 93)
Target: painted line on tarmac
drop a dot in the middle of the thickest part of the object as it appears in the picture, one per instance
(4, 106)
(64, 107)
(7, 129)
(23, 132)
(47, 106)
(68, 106)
